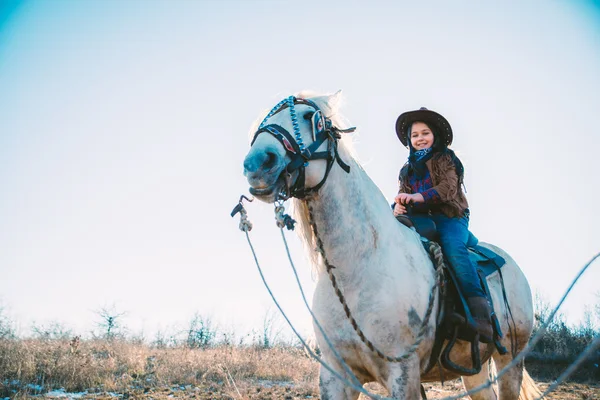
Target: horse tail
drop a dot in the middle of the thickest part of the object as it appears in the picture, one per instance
(529, 390)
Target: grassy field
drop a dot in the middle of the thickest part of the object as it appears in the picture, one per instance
(101, 369)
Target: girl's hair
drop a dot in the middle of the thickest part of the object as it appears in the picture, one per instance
(439, 148)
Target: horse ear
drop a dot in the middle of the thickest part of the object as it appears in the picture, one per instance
(332, 102)
(334, 99)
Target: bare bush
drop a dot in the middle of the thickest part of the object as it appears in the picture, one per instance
(163, 339)
(7, 326)
(271, 332)
(597, 306)
(51, 331)
(110, 323)
(561, 344)
(560, 341)
(201, 333)
(229, 337)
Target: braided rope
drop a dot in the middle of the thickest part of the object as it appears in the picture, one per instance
(272, 112)
(296, 125)
(245, 224)
(434, 249)
(290, 102)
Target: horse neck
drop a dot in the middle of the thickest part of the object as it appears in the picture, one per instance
(352, 220)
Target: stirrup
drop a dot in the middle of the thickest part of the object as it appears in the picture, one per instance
(475, 358)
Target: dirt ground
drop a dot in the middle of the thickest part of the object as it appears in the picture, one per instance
(267, 390)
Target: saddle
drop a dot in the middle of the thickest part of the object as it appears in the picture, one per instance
(454, 320)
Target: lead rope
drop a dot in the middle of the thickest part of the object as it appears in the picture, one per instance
(246, 226)
(435, 251)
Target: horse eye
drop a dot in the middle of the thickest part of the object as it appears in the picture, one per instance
(308, 115)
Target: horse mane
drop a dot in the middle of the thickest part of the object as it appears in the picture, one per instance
(330, 105)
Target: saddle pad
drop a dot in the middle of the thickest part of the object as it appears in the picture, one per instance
(487, 261)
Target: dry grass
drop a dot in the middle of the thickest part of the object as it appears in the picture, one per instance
(141, 371)
(119, 366)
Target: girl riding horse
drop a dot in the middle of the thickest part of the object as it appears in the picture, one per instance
(431, 180)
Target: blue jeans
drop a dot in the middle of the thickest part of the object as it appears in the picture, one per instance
(454, 235)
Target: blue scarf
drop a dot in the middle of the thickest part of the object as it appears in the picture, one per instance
(420, 154)
(417, 160)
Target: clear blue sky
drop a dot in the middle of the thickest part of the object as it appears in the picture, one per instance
(123, 127)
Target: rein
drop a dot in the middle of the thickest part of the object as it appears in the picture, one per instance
(300, 154)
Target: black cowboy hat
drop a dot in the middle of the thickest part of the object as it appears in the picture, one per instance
(435, 121)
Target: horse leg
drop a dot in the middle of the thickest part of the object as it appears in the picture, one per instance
(481, 378)
(516, 384)
(509, 384)
(332, 388)
(404, 380)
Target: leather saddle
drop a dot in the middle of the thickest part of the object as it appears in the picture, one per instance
(454, 320)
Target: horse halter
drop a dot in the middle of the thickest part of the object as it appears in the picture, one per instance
(300, 154)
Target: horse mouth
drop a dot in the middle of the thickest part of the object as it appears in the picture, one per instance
(269, 191)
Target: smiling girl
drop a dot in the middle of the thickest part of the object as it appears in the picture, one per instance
(431, 180)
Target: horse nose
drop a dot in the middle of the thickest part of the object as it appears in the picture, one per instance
(264, 160)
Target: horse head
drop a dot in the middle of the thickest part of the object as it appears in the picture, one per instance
(294, 148)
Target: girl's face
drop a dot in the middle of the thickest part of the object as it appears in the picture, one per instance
(421, 137)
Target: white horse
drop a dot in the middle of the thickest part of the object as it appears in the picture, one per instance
(381, 267)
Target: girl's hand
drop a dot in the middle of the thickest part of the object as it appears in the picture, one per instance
(399, 209)
(405, 198)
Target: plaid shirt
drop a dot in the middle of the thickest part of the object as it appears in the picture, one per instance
(447, 197)
(425, 187)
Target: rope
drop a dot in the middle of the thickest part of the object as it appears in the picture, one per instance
(595, 345)
(246, 226)
(435, 251)
(306, 346)
(529, 348)
(314, 317)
